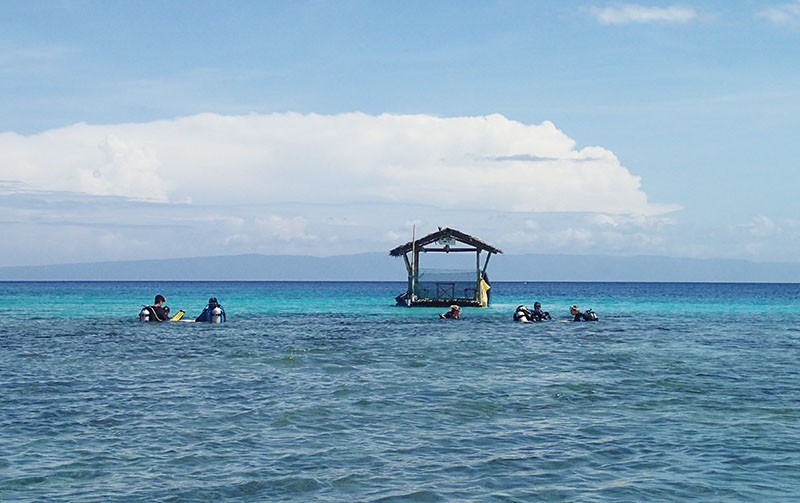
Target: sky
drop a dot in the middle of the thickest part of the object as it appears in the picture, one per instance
(140, 129)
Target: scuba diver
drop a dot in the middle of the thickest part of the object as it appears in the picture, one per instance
(577, 315)
(454, 313)
(158, 311)
(523, 314)
(537, 314)
(212, 313)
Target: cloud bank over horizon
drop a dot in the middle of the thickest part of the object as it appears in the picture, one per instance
(454, 163)
(310, 184)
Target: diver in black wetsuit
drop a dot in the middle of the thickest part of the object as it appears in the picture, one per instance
(537, 314)
(522, 314)
(157, 311)
(577, 315)
(208, 312)
(454, 313)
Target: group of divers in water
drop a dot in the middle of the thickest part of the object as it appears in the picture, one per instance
(215, 313)
(524, 315)
(158, 312)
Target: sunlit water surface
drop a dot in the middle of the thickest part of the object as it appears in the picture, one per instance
(328, 392)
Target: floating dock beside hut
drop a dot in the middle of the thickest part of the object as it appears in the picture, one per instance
(437, 287)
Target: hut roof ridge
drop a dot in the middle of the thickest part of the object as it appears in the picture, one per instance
(440, 234)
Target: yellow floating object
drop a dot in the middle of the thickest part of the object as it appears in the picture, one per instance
(483, 293)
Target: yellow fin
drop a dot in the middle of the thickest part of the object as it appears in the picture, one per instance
(178, 316)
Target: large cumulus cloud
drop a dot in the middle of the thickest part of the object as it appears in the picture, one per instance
(490, 161)
(313, 185)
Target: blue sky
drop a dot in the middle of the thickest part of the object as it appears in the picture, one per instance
(170, 129)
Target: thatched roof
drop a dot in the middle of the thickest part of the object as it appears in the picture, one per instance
(444, 234)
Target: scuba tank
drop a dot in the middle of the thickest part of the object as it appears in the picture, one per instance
(521, 314)
(144, 314)
(216, 315)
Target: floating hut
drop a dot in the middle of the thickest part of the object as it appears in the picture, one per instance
(437, 287)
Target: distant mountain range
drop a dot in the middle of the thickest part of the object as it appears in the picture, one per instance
(382, 267)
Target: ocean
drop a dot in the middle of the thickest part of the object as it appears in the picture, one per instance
(328, 392)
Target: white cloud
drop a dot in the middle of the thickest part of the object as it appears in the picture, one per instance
(15, 57)
(606, 221)
(783, 15)
(311, 185)
(285, 229)
(588, 233)
(762, 226)
(490, 162)
(635, 13)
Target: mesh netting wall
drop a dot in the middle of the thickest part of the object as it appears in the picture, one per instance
(446, 284)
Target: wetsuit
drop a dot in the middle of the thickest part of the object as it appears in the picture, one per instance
(587, 316)
(205, 316)
(158, 313)
(522, 314)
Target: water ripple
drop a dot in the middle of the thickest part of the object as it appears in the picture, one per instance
(353, 407)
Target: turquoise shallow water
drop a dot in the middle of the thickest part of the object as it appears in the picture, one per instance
(327, 392)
